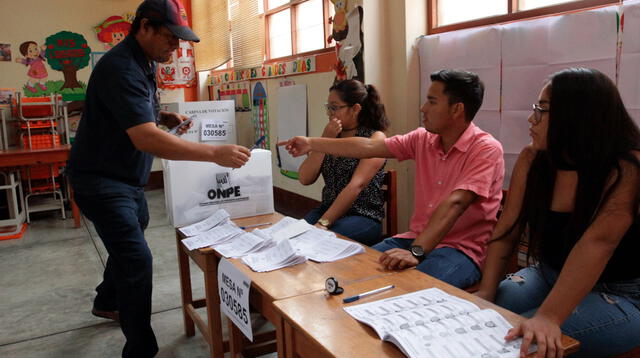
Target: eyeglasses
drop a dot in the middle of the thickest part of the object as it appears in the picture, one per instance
(537, 113)
(331, 109)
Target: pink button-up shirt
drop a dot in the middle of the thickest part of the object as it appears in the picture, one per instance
(475, 163)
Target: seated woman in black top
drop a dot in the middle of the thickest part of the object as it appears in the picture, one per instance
(575, 189)
(352, 202)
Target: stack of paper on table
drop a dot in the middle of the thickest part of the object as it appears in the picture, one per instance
(212, 221)
(432, 323)
(288, 242)
(279, 256)
(242, 245)
(323, 246)
(217, 235)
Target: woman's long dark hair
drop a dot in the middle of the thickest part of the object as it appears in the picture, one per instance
(372, 114)
(590, 131)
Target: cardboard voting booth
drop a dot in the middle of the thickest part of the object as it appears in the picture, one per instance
(195, 190)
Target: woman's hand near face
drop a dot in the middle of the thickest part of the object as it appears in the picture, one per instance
(332, 129)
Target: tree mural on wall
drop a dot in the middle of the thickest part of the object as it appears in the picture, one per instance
(67, 52)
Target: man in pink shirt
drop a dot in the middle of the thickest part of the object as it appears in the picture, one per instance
(458, 186)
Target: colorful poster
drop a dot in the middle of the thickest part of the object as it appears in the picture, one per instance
(6, 94)
(5, 52)
(179, 71)
(261, 114)
(239, 92)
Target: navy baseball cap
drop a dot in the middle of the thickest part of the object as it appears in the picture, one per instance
(172, 14)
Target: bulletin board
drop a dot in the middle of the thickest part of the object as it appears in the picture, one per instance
(514, 60)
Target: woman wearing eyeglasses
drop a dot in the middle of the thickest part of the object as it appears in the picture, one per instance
(352, 202)
(575, 190)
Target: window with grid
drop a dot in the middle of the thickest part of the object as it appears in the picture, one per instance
(448, 15)
(296, 27)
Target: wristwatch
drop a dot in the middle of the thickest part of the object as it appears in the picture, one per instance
(418, 252)
(324, 222)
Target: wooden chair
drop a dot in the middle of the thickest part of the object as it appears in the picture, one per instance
(389, 190)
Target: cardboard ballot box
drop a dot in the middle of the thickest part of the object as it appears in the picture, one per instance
(195, 190)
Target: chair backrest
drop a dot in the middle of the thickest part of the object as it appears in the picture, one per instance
(389, 190)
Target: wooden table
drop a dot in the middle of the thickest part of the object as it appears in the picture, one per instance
(266, 288)
(25, 157)
(329, 331)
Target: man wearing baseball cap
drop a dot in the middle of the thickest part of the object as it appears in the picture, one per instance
(111, 159)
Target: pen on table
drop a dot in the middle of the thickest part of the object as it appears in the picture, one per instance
(365, 294)
(254, 225)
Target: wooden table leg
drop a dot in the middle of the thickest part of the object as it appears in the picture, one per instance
(280, 334)
(236, 338)
(288, 341)
(213, 306)
(185, 287)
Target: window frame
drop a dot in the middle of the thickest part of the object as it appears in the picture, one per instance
(512, 15)
(292, 5)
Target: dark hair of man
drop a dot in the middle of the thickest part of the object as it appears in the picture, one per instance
(462, 86)
(372, 114)
(155, 24)
(591, 132)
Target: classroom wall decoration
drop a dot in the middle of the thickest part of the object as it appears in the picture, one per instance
(240, 92)
(5, 52)
(34, 59)
(347, 32)
(260, 116)
(112, 31)
(6, 94)
(179, 71)
(277, 69)
(67, 52)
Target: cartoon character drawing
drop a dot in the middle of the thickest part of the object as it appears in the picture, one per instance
(339, 21)
(348, 34)
(34, 59)
(112, 31)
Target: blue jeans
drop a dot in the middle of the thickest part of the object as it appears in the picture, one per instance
(606, 322)
(446, 263)
(359, 228)
(120, 215)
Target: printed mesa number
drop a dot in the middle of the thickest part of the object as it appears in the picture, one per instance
(214, 132)
(234, 306)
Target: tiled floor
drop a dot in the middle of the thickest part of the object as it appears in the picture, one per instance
(47, 282)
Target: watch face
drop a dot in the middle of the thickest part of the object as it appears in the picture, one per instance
(417, 251)
(324, 222)
(330, 285)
